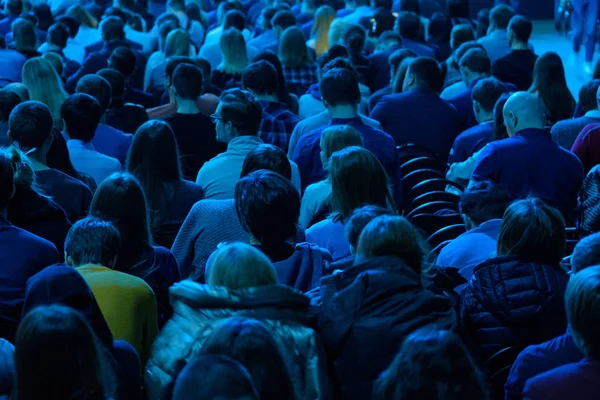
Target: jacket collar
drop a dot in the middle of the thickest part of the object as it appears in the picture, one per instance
(532, 133)
(243, 143)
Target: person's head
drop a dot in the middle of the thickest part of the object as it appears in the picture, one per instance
(519, 30)
(177, 43)
(439, 28)
(460, 34)
(204, 65)
(431, 364)
(13, 7)
(582, 303)
(550, 83)
(523, 111)
(499, 127)
(408, 25)
(235, 55)
(281, 21)
(586, 253)
(260, 79)
(267, 157)
(92, 241)
(320, 30)
(483, 23)
(234, 19)
(8, 101)
(389, 40)
(81, 114)
(250, 343)
(238, 114)
(423, 72)
(123, 60)
(30, 126)
(7, 368)
(164, 29)
(336, 138)
(336, 51)
(58, 354)
(58, 34)
(532, 231)
(83, 16)
(240, 266)
(339, 88)
(214, 376)
(389, 235)
(475, 64)
(265, 18)
(397, 80)
(186, 83)
(292, 48)
(485, 95)
(500, 17)
(360, 218)
(24, 35)
(112, 28)
(357, 179)
(117, 83)
(173, 63)
(56, 61)
(7, 181)
(396, 58)
(44, 84)
(120, 199)
(268, 207)
(19, 89)
(223, 9)
(97, 87)
(282, 91)
(354, 39)
(588, 99)
(336, 31)
(482, 202)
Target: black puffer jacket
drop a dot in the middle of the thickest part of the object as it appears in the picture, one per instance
(511, 302)
(368, 311)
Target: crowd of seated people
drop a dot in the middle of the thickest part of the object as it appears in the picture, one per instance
(294, 200)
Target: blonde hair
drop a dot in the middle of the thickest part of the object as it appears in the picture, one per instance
(177, 43)
(83, 16)
(320, 30)
(56, 62)
(45, 86)
(24, 35)
(336, 138)
(292, 48)
(24, 175)
(239, 266)
(336, 31)
(235, 56)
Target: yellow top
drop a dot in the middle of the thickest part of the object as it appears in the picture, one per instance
(128, 305)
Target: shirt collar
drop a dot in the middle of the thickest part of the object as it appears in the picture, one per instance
(593, 114)
(345, 121)
(241, 142)
(533, 132)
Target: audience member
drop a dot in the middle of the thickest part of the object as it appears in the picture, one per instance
(408, 25)
(283, 94)
(8, 101)
(177, 44)
(228, 74)
(12, 10)
(319, 30)
(454, 83)
(267, 36)
(496, 43)
(529, 162)
(82, 114)
(517, 66)
(299, 69)
(395, 60)
(85, 34)
(281, 21)
(25, 39)
(382, 292)
(124, 60)
(214, 35)
(58, 37)
(382, 70)
(459, 35)
(358, 9)
(242, 281)
(354, 40)
(126, 301)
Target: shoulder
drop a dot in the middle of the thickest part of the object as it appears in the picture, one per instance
(310, 139)
(34, 243)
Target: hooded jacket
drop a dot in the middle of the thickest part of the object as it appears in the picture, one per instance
(198, 309)
(512, 302)
(368, 311)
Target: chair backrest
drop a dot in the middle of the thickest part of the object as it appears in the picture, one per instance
(432, 185)
(414, 178)
(408, 151)
(430, 223)
(421, 163)
(433, 196)
(448, 233)
(436, 251)
(432, 208)
(498, 367)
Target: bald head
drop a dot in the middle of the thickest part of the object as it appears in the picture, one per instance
(523, 111)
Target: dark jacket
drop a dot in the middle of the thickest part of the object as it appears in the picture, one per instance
(380, 72)
(126, 117)
(510, 302)
(373, 306)
(198, 309)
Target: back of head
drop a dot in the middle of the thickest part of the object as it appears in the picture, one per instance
(440, 28)
(44, 15)
(354, 38)
(533, 231)
(431, 364)
(112, 28)
(56, 352)
(483, 202)
(588, 99)
(501, 15)
(204, 65)
(30, 125)
(8, 101)
(487, 92)
(338, 137)
(292, 48)
(267, 157)
(242, 110)
(409, 25)
(24, 34)
(82, 114)
(283, 19)
(177, 43)
(586, 253)
(339, 87)
(7, 368)
(499, 127)
(260, 78)
(476, 61)
(521, 28)
(187, 82)
(360, 218)
(13, 7)
(461, 34)
(71, 23)
(336, 51)
(173, 63)
(389, 40)
(240, 266)
(7, 180)
(582, 302)
(58, 34)
(398, 56)
(19, 89)
(233, 48)
(234, 19)
(463, 48)
(83, 16)
(116, 80)
(92, 241)
(24, 176)
(97, 87)
(522, 111)
(123, 60)
(153, 155)
(336, 31)
(251, 344)
(424, 72)
(268, 207)
(214, 376)
(357, 179)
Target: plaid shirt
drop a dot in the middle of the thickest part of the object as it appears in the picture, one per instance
(277, 124)
(299, 79)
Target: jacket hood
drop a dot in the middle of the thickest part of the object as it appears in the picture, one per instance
(262, 302)
(519, 292)
(64, 285)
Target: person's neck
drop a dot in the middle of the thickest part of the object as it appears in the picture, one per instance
(266, 97)
(519, 46)
(38, 161)
(485, 117)
(187, 107)
(343, 112)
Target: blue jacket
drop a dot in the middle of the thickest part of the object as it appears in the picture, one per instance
(511, 302)
(572, 381)
(419, 116)
(470, 142)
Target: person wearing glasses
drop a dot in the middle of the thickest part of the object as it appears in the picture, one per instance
(237, 122)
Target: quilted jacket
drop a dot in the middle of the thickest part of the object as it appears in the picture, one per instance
(199, 308)
(511, 302)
